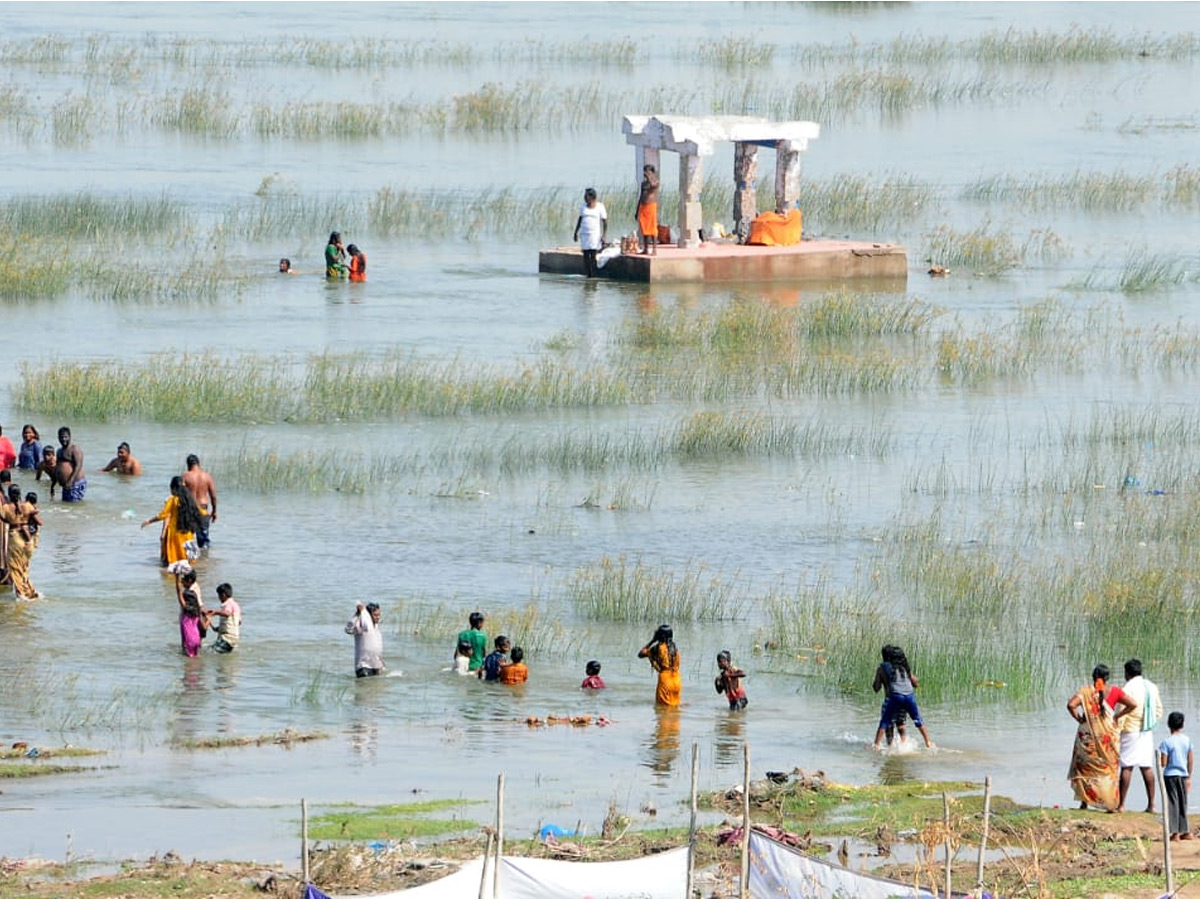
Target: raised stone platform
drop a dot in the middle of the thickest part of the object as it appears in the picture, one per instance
(814, 261)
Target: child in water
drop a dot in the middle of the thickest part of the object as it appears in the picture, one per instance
(593, 681)
(516, 672)
(462, 658)
(896, 676)
(729, 681)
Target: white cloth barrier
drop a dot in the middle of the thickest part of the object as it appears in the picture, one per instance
(660, 875)
(777, 870)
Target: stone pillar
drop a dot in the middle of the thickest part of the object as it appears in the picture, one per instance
(691, 216)
(787, 176)
(745, 186)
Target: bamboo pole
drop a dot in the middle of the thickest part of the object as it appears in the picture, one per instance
(744, 887)
(1166, 825)
(499, 835)
(987, 816)
(691, 856)
(487, 854)
(946, 836)
(304, 840)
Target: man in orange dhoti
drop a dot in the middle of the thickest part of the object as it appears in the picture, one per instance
(647, 210)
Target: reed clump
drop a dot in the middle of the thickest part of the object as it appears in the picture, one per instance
(1142, 272)
(88, 216)
(988, 250)
(617, 590)
(203, 111)
(733, 53)
(20, 281)
(534, 627)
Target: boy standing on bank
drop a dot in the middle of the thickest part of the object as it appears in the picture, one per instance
(1175, 757)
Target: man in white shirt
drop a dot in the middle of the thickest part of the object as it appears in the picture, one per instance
(368, 640)
(1137, 731)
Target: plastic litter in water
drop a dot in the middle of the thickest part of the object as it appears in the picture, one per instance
(551, 830)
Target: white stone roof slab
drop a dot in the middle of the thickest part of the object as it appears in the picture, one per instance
(696, 135)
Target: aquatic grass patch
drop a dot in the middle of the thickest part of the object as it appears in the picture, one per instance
(864, 204)
(200, 110)
(397, 821)
(730, 53)
(1141, 272)
(705, 435)
(37, 770)
(72, 119)
(833, 635)
(164, 388)
(748, 326)
(1093, 191)
(326, 387)
(619, 590)
(325, 120)
(535, 627)
(21, 282)
(989, 250)
(18, 752)
(1042, 48)
(286, 738)
(88, 216)
(132, 282)
(321, 687)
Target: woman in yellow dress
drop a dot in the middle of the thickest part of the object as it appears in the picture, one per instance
(180, 517)
(664, 659)
(17, 516)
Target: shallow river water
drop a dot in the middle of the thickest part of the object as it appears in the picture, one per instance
(96, 663)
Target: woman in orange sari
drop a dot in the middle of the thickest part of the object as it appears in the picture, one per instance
(1095, 760)
(664, 659)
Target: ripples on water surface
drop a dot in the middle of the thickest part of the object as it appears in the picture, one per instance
(97, 663)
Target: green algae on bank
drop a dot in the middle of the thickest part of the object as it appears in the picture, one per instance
(389, 822)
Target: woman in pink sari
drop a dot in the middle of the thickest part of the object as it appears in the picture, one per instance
(1095, 759)
(192, 624)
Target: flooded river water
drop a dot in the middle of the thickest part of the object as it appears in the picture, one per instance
(97, 663)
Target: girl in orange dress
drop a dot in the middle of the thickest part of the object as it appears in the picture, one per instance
(664, 659)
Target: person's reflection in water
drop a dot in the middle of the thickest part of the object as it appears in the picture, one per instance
(363, 730)
(895, 768)
(190, 702)
(730, 734)
(664, 746)
(226, 682)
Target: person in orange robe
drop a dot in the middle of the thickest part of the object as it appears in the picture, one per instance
(647, 210)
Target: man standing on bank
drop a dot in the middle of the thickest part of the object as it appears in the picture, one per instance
(647, 210)
(1137, 732)
(204, 492)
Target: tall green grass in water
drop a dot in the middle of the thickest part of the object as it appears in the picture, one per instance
(332, 387)
(616, 590)
(21, 281)
(1142, 272)
(532, 627)
(988, 250)
(89, 216)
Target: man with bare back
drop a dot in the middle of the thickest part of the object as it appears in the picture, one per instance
(68, 468)
(204, 492)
